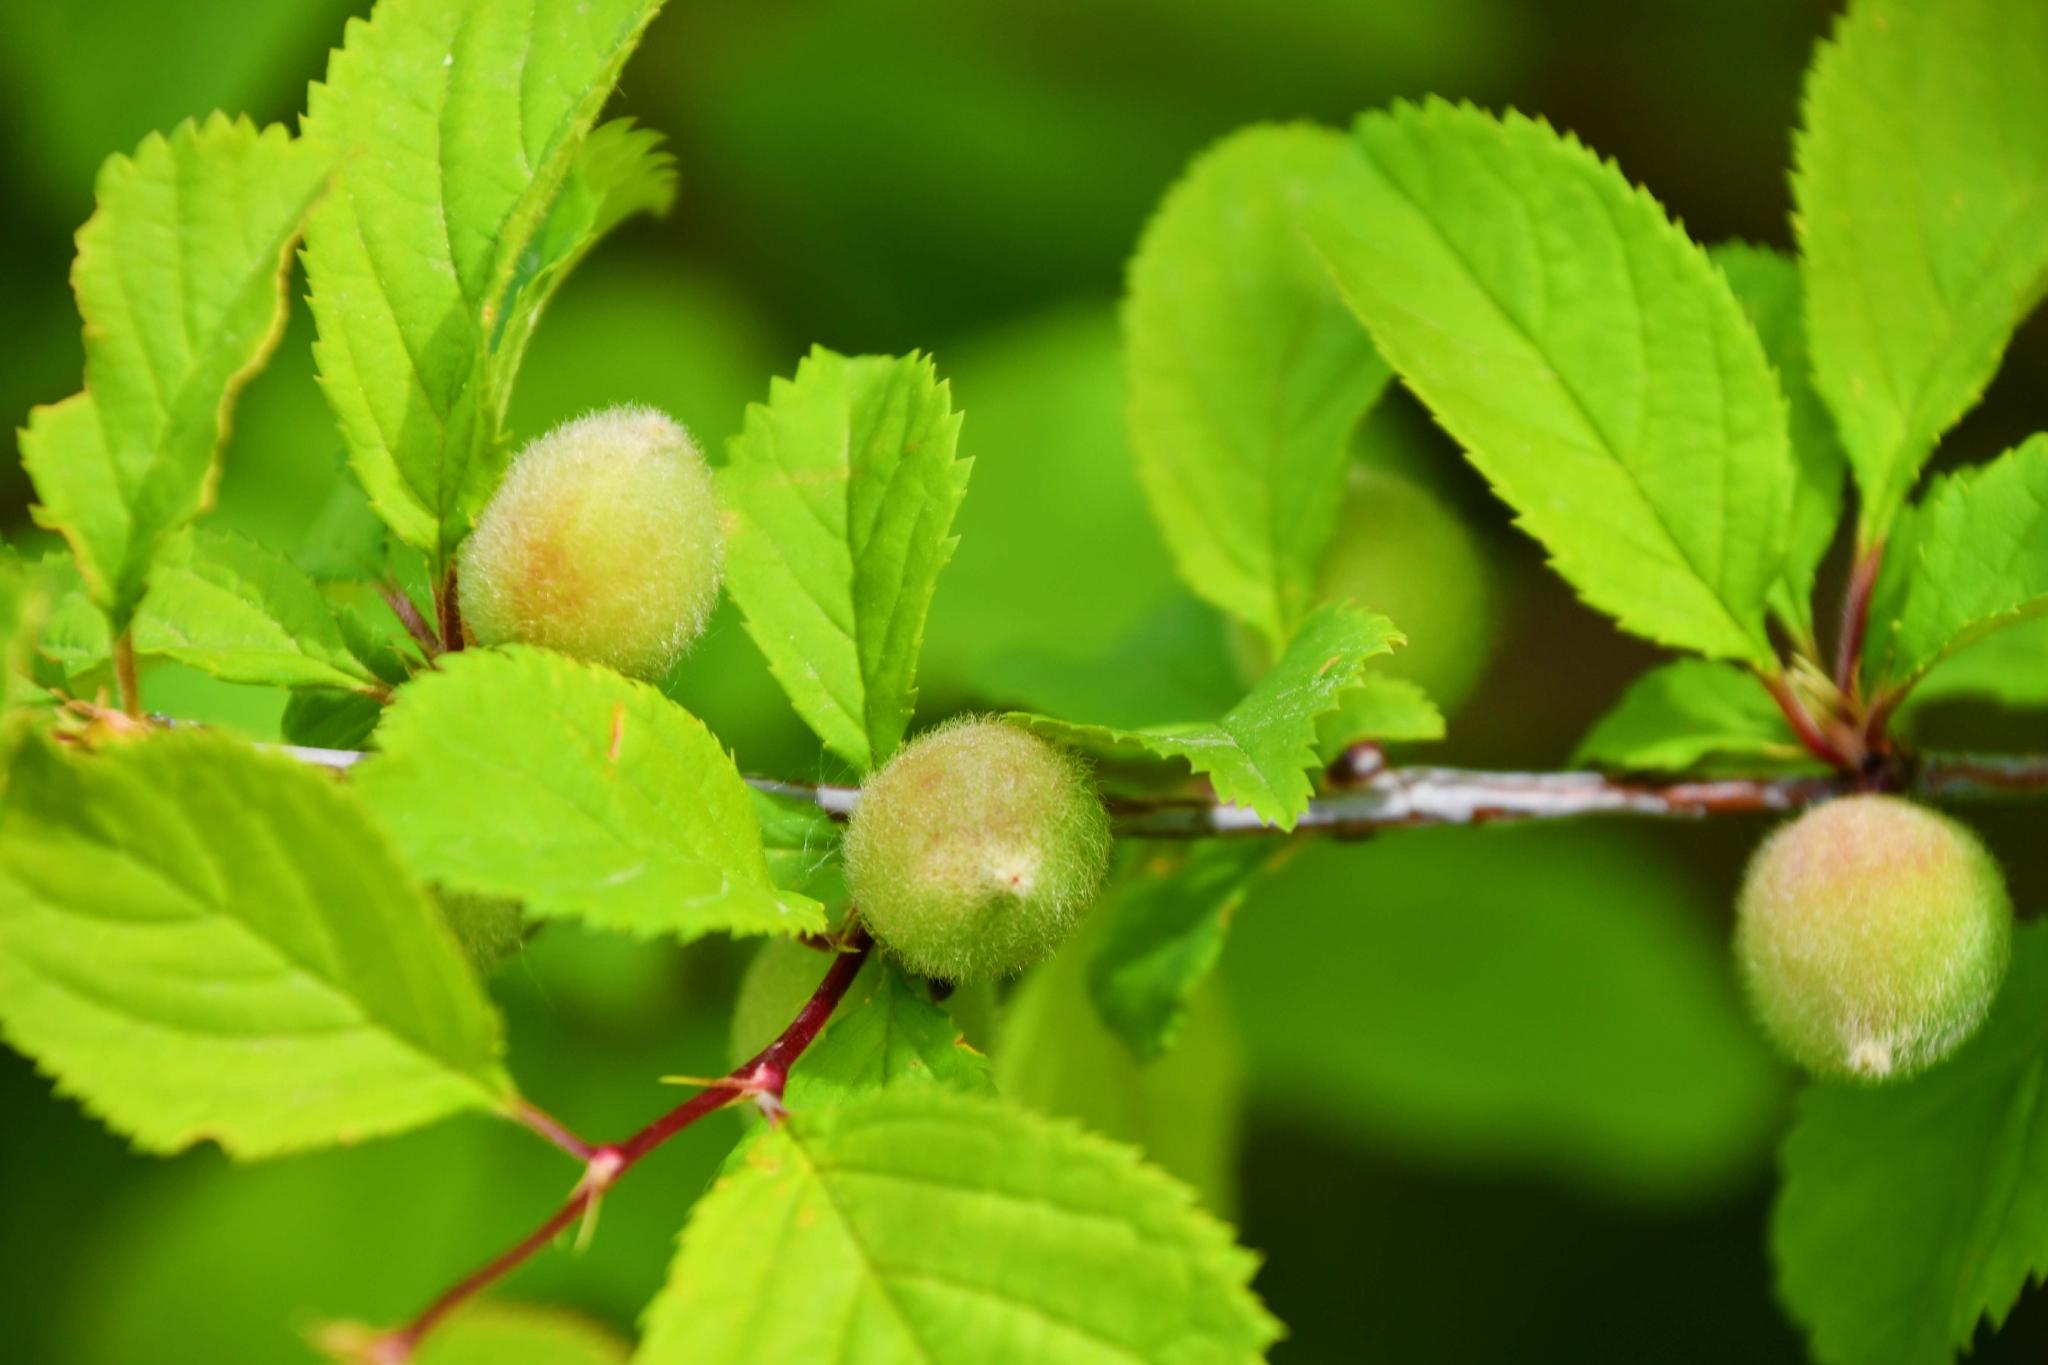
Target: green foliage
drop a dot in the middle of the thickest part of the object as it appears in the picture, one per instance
(1246, 376)
(1258, 754)
(842, 489)
(181, 278)
(929, 1225)
(2009, 667)
(1767, 285)
(1593, 363)
(522, 774)
(1974, 558)
(205, 942)
(1168, 912)
(1911, 1213)
(245, 615)
(1691, 713)
(1922, 186)
(463, 194)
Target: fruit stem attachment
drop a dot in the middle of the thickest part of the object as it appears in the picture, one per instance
(761, 1077)
(126, 682)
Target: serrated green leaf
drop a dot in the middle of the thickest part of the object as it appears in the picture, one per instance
(934, 1227)
(1593, 363)
(1973, 558)
(841, 491)
(2008, 667)
(1688, 713)
(74, 633)
(460, 125)
(494, 1332)
(892, 1035)
(1910, 1212)
(245, 615)
(1247, 374)
(1766, 283)
(620, 171)
(524, 774)
(181, 277)
(202, 941)
(1259, 753)
(1167, 914)
(1922, 189)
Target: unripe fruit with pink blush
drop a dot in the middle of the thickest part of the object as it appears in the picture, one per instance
(972, 852)
(603, 542)
(1872, 934)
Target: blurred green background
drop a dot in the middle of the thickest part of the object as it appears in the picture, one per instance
(1500, 1102)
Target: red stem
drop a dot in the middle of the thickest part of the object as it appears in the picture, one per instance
(447, 600)
(764, 1074)
(1856, 621)
(1803, 724)
(551, 1128)
(409, 616)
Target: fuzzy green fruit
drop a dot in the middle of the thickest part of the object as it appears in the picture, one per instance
(974, 850)
(603, 542)
(1872, 934)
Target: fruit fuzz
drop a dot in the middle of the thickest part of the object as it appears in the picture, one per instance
(602, 542)
(974, 850)
(1872, 934)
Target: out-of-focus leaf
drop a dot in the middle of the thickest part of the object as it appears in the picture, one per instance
(929, 1225)
(2008, 666)
(1766, 283)
(1689, 712)
(1922, 186)
(329, 718)
(1912, 1212)
(521, 773)
(1186, 1109)
(236, 610)
(1593, 363)
(181, 278)
(1059, 558)
(1247, 374)
(1516, 998)
(841, 491)
(206, 942)
(1167, 912)
(1259, 753)
(495, 1332)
